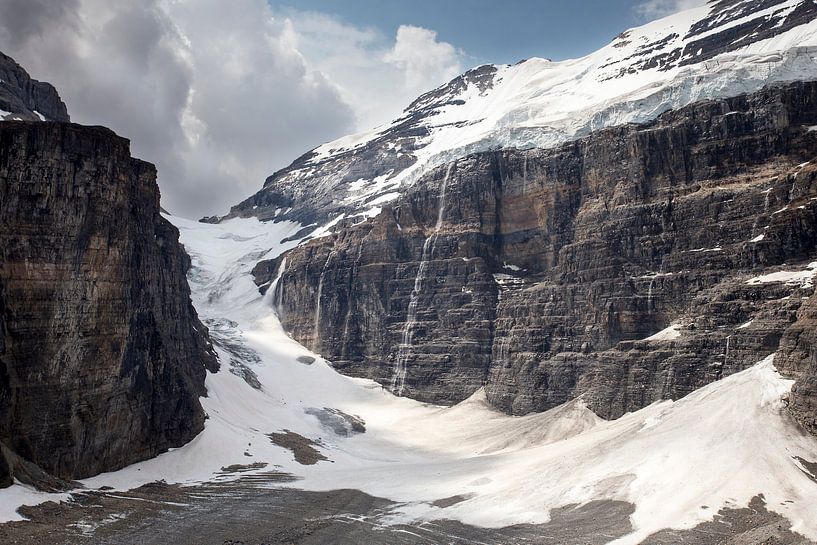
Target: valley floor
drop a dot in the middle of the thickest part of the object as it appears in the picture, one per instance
(245, 512)
(293, 452)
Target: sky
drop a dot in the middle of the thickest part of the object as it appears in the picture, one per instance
(221, 93)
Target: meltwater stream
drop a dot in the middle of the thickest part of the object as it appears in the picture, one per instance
(274, 296)
(317, 319)
(398, 380)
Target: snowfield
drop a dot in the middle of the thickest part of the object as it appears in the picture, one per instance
(720, 446)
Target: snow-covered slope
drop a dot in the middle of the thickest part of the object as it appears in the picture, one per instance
(727, 48)
(678, 462)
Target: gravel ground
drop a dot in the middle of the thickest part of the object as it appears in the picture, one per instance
(250, 511)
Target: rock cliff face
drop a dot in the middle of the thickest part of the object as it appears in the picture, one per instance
(23, 98)
(542, 274)
(798, 355)
(102, 356)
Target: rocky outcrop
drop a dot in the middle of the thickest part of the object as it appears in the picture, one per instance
(102, 356)
(542, 274)
(798, 358)
(23, 98)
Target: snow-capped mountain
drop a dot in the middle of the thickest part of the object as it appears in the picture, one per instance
(724, 49)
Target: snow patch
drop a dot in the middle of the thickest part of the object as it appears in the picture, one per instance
(668, 334)
(802, 278)
(715, 249)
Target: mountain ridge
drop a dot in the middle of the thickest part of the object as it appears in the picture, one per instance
(725, 49)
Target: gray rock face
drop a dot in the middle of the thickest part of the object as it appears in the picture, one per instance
(22, 98)
(540, 273)
(102, 356)
(798, 357)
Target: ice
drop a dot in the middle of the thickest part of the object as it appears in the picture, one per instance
(720, 446)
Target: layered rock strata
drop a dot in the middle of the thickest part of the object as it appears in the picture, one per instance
(102, 356)
(541, 274)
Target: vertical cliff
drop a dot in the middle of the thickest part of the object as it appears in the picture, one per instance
(545, 274)
(798, 356)
(102, 356)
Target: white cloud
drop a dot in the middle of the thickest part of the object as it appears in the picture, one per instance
(255, 104)
(378, 75)
(655, 9)
(219, 94)
(422, 58)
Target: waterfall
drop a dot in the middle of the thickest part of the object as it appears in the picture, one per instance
(317, 320)
(766, 205)
(653, 276)
(504, 356)
(355, 266)
(399, 377)
(275, 293)
(726, 356)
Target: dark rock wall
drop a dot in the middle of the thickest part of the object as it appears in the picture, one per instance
(102, 356)
(365, 277)
(798, 358)
(551, 267)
